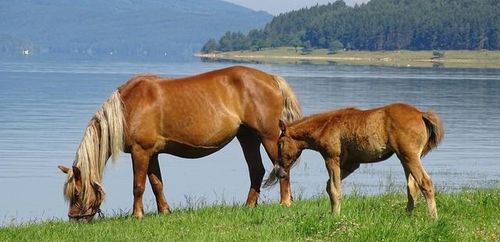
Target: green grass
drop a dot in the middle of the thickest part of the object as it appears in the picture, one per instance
(472, 215)
(403, 58)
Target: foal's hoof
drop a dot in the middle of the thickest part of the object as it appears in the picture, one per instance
(251, 205)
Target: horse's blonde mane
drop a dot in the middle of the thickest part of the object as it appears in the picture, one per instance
(103, 138)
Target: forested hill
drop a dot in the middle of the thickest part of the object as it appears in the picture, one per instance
(377, 25)
(147, 29)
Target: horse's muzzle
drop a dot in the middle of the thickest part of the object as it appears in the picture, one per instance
(87, 217)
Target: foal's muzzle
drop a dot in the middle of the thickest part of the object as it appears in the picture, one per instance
(282, 173)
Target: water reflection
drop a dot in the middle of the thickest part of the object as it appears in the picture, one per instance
(44, 108)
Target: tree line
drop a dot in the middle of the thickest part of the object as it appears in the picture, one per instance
(377, 25)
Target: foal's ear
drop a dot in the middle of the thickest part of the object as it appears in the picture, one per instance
(63, 169)
(76, 173)
(282, 126)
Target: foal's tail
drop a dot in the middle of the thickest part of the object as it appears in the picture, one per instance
(291, 106)
(435, 131)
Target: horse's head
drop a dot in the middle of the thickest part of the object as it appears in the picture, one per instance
(288, 151)
(84, 197)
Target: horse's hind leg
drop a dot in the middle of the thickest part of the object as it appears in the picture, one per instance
(154, 175)
(413, 164)
(251, 149)
(412, 190)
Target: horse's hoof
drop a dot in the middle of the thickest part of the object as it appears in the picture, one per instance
(165, 211)
(138, 216)
(286, 204)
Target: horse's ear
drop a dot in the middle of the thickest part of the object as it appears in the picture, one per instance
(98, 191)
(282, 126)
(63, 169)
(76, 173)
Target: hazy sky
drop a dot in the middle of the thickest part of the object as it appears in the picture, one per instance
(276, 7)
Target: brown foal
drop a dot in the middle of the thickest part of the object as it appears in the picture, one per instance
(349, 137)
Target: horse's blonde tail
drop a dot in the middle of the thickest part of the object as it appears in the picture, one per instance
(291, 106)
(291, 112)
(435, 130)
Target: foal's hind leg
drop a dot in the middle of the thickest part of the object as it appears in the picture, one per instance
(414, 166)
(412, 190)
(154, 174)
(251, 149)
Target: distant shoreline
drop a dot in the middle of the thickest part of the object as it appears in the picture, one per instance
(403, 58)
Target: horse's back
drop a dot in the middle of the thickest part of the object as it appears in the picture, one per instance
(236, 92)
(204, 110)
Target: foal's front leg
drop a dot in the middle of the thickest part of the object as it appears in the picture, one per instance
(333, 185)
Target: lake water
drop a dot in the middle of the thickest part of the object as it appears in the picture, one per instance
(45, 107)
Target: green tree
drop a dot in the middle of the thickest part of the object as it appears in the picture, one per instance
(380, 25)
(210, 46)
(335, 46)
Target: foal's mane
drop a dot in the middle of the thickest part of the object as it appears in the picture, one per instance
(319, 118)
(103, 138)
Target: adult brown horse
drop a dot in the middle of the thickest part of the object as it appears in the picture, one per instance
(348, 137)
(188, 117)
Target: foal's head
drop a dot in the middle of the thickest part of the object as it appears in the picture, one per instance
(288, 151)
(84, 197)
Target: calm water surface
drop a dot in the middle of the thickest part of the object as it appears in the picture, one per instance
(45, 107)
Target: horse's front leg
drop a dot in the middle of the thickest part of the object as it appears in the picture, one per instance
(154, 175)
(270, 144)
(333, 185)
(251, 149)
(140, 165)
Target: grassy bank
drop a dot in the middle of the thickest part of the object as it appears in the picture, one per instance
(464, 216)
(404, 58)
